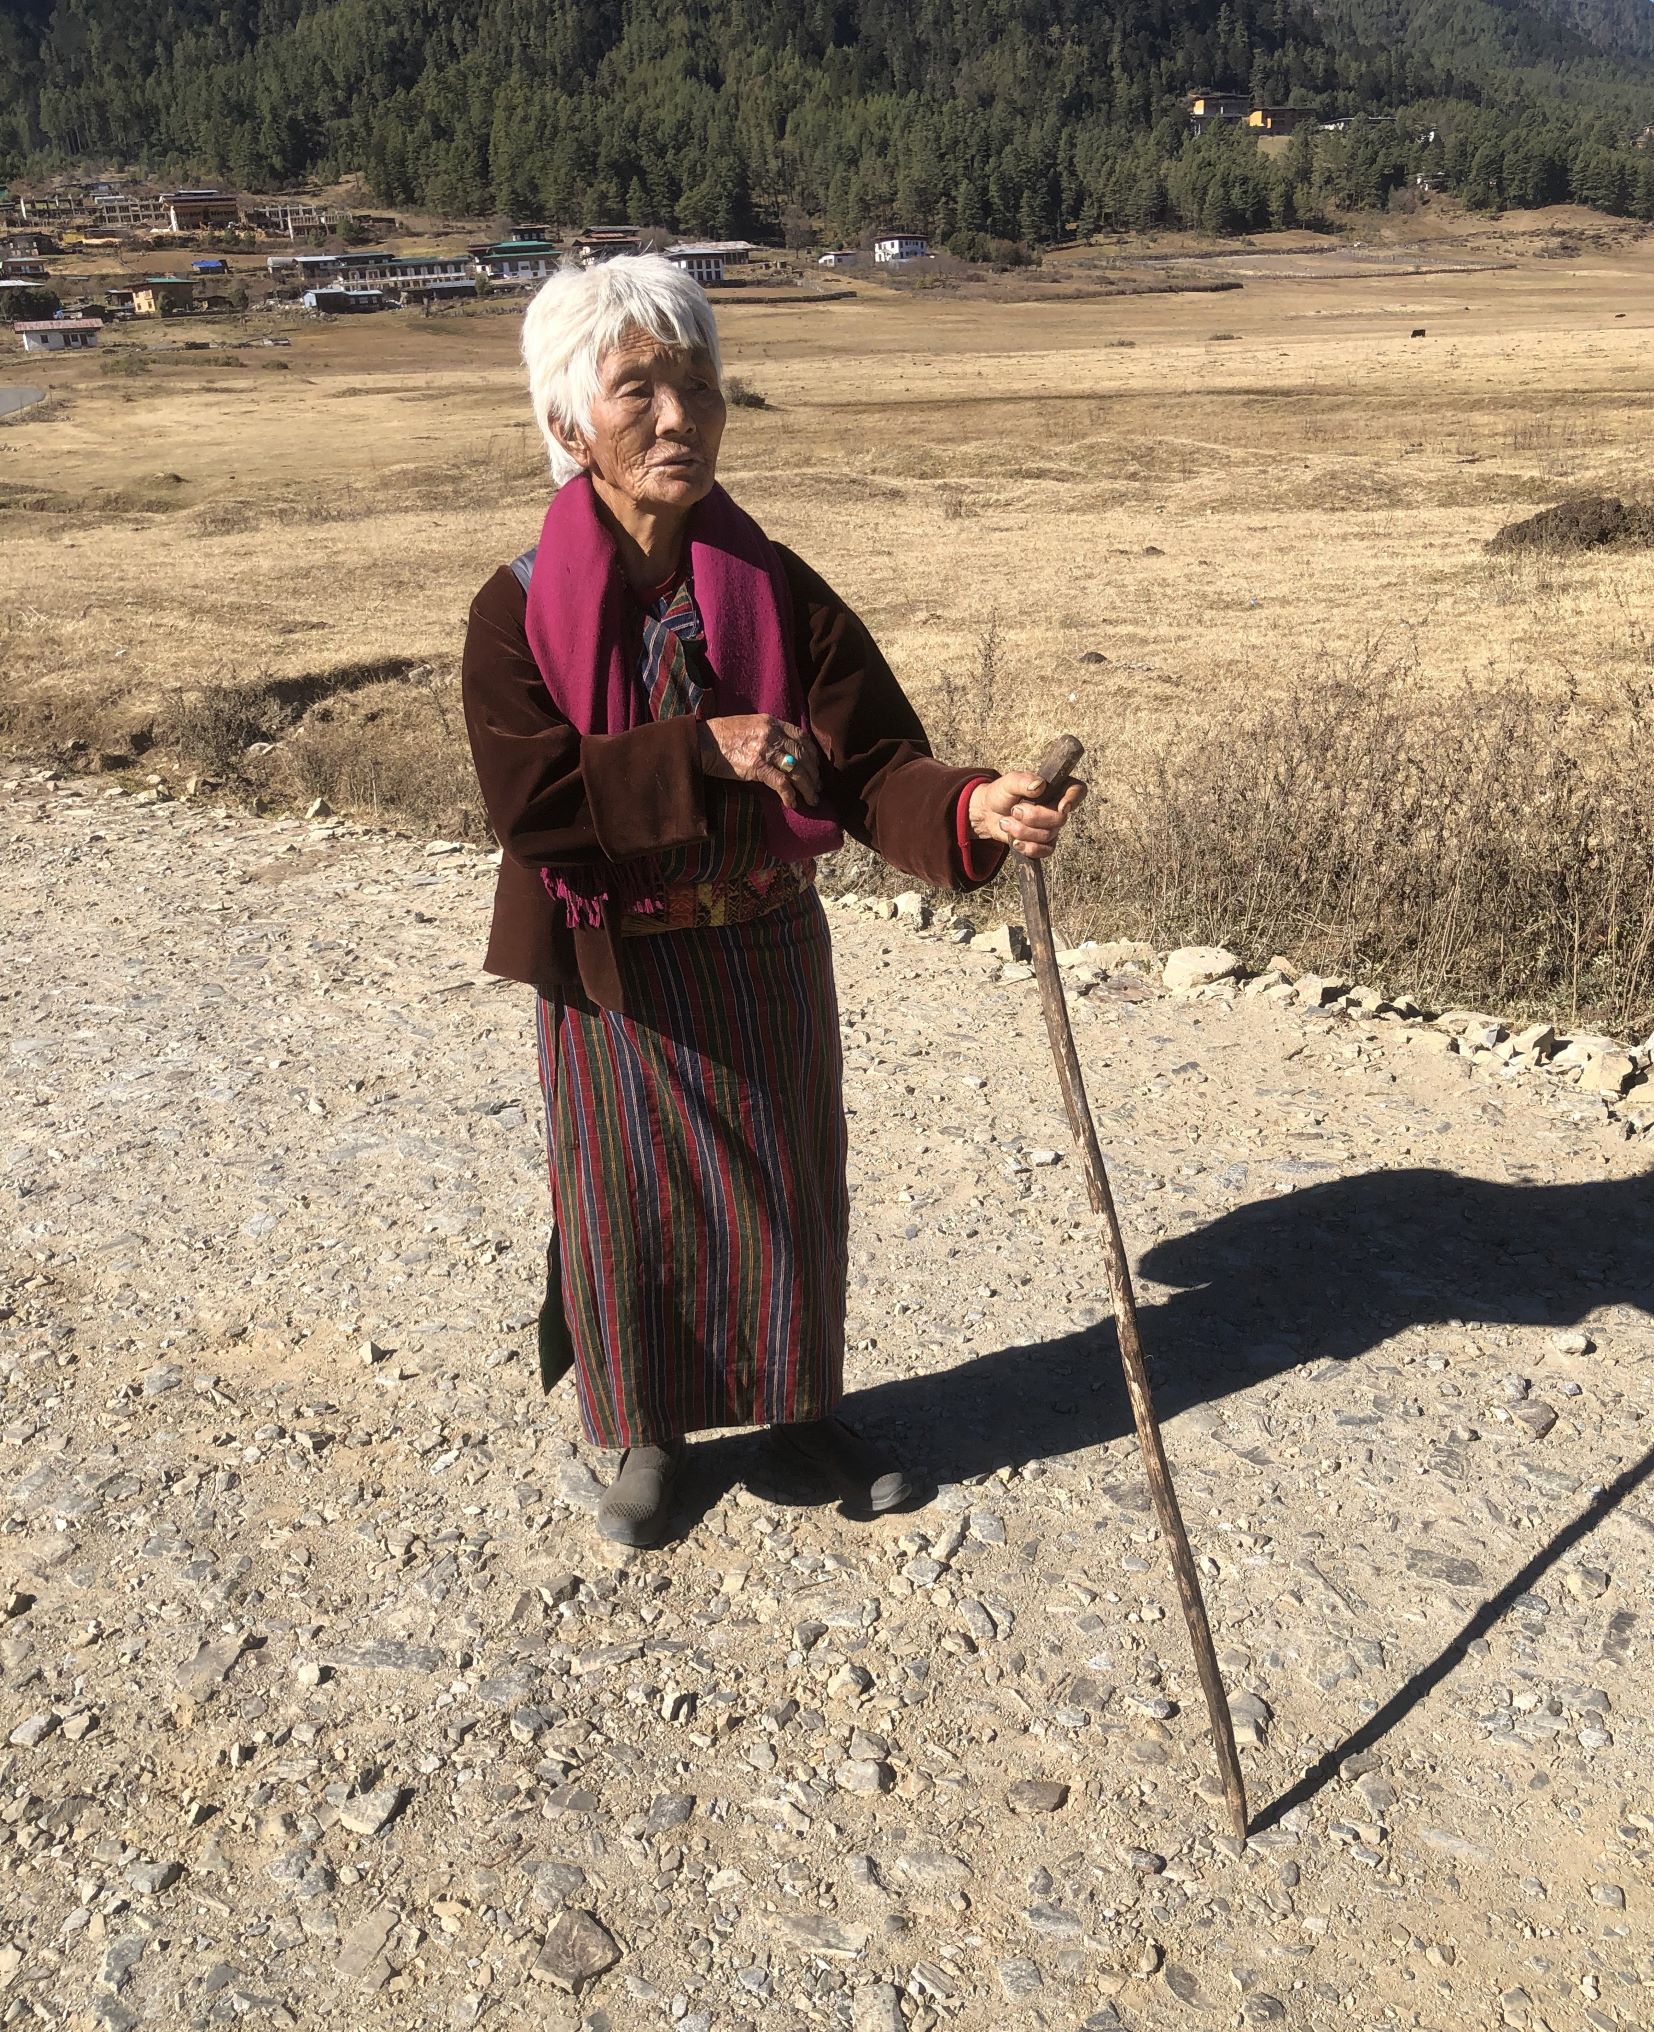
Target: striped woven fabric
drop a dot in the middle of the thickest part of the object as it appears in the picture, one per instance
(697, 1157)
(697, 1145)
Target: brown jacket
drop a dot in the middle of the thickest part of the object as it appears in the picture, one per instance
(557, 798)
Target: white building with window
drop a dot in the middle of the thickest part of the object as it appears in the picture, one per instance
(705, 264)
(58, 335)
(901, 247)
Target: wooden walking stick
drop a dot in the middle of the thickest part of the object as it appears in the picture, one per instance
(1053, 768)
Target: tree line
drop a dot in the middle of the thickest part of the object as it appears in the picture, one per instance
(979, 122)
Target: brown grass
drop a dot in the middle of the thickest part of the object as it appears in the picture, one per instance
(1072, 512)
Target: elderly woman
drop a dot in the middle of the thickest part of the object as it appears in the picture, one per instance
(673, 718)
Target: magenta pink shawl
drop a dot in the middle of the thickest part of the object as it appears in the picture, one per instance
(583, 631)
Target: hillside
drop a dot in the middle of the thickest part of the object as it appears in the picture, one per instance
(973, 119)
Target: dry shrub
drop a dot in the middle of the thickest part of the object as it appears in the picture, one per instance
(1496, 848)
(1591, 522)
(396, 750)
(211, 726)
(741, 394)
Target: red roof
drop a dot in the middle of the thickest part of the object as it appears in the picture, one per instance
(61, 324)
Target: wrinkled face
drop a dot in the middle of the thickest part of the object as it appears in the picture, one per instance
(656, 425)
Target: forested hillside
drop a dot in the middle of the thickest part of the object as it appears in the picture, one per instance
(970, 119)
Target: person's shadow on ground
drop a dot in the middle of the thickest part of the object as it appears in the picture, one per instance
(1331, 1270)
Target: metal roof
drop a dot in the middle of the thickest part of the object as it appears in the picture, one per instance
(61, 324)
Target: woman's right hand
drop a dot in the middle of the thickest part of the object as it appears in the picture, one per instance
(748, 748)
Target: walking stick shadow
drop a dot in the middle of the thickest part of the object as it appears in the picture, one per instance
(1331, 1271)
(1428, 1677)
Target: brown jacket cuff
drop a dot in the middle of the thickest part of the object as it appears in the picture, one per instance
(644, 788)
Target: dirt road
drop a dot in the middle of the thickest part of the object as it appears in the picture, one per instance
(325, 1706)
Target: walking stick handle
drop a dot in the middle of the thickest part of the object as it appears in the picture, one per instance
(1058, 763)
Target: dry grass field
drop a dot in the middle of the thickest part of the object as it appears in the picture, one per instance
(1235, 540)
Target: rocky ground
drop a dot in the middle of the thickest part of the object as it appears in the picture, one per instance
(323, 1704)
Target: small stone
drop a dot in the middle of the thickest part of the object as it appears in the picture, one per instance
(577, 1950)
(911, 908)
(864, 1775)
(1005, 942)
(120, 1957)
(365, 1942)
(368, 1812)
(1037, 1795)
(308, 1673)
(818, 1933)
(1537, 1041)
(1260, 2008)
(670, 1810)
(878, 2008)
(1054, 1922)
(1019, 1977)
(1537, 1417)
(201, 1676)
(1608, 1072)
(1199, 966)
(150, 1879)
(320, 808)
(1183, 1985)
(1315, 991)
(1572, 1344)
(32, 1732)
(1250, 1715)
(1609, 1895)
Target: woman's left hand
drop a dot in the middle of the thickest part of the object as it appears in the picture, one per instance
(1011, 808)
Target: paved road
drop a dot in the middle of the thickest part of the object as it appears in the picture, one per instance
(325, 1705)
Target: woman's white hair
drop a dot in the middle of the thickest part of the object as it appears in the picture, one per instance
(581, 314)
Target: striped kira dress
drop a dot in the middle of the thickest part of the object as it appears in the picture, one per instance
(697, 1146)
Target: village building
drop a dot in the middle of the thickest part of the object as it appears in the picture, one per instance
(24, 246)
(603, 243)
(838, 257)
(901, 247)
(302, 265)
(23, 268)
(1278, 119)
(128, 211)
(58, 335)
(408, 274)
(49, 208)
(211, 268)
(288, 216)
(163, 295)
(336, 301)
(519, 261)
(1218, 109)
(703, 264)
(201, 211)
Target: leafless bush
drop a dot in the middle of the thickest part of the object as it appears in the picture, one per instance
(740, 394)
(1495, 848)
(212, 725)
(227, 518)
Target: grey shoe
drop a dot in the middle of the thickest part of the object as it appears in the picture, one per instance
(634, 1506)
(863, 1475)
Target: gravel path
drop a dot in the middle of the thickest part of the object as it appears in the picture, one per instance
(326, 1707)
